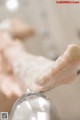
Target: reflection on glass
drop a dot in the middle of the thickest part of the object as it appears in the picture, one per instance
(34, 106)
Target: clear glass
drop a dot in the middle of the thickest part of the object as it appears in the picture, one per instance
(34, 106)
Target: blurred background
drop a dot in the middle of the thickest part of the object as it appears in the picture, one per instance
(57, 26)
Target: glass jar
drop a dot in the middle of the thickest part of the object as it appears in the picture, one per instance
(34, 106)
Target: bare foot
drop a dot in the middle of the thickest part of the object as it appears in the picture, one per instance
(39, 73)
(17, 28)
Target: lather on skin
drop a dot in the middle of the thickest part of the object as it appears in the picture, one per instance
(36, 72)
(11, 29)
(10, 87)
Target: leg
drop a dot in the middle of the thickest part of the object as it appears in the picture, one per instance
(41, 74)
